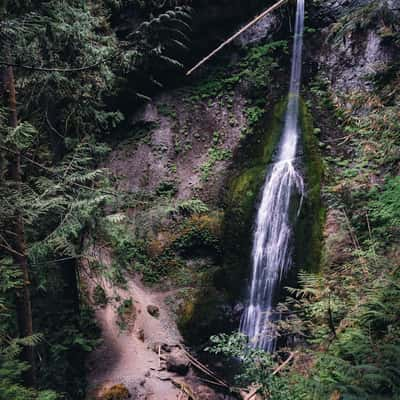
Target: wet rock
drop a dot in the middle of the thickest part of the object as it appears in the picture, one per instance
(154, 311)
(177, 362)
(354, 60)
(238, 309)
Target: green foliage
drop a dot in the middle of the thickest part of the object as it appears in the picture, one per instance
(375, 15)
(69, 336)
(254, 69)
(253, 115)
(125, 247)
(167, 111)
(197, 233)
(166, 188)
(385, 209)
(214, 155)
(99, 296)
(12, 369)
(193, 206)
(359, 329)
(157, 43)
(125, 312)
(256, 366)
(259, 64)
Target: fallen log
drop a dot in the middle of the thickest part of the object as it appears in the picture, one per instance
(233, 37)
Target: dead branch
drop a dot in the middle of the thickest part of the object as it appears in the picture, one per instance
(232, 38)
(50, 69)
(286, 362)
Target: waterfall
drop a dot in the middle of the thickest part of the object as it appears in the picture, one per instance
(272, 236)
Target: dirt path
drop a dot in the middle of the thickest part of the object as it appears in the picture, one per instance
(127, 356)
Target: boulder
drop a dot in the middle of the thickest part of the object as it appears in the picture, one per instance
(154, 311)
(177, 362)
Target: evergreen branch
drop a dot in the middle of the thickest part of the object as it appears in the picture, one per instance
(11, 250)
(77, 257)
(57, 175)
(51, 69)
(233, 37)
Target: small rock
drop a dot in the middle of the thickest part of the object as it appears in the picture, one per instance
(177, 362)
(147, 374)
(140, 335)
(154, 311)
(238, 309)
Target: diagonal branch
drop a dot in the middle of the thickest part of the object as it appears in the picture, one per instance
(48, 69)
(11, 250)
(232, 38)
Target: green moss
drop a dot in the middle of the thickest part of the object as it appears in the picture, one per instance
(308, 230)
(255, 67)
(244, 191)
(215, 154)
(202, 315)
(242, 197)
(100, 296)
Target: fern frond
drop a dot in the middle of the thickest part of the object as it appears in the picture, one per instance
(171, 61)
(115, 218)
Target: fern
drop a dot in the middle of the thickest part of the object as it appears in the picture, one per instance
(194, 206)
(22, 136)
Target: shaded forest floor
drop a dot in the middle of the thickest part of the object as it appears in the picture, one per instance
(131, 339)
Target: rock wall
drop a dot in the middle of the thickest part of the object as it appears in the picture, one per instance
(356, 43)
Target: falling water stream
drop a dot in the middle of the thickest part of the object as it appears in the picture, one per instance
(272, 237)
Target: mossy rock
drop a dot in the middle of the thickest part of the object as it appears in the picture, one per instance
(203, 314)
(115, 392)
(241, 201)
(200, 235)
(243, 196)
(206, 311)
(309, 226)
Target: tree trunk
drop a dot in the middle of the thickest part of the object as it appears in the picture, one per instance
(23, 298)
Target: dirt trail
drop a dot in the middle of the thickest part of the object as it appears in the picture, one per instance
(127, 356)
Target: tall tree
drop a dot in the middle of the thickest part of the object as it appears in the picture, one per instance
(19, 249)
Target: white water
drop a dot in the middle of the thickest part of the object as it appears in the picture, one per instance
(271, 254)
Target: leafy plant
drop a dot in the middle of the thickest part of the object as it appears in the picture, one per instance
(256, 366)
(214, 155)
(193, 206)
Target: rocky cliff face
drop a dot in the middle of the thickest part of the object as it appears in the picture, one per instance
(195, 141)
(357, 43)
(197, 155)
(187, 152)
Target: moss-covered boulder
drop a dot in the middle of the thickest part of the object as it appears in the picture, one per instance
(309, 226)
(243, 196)
(114, 392)
(241, 200)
